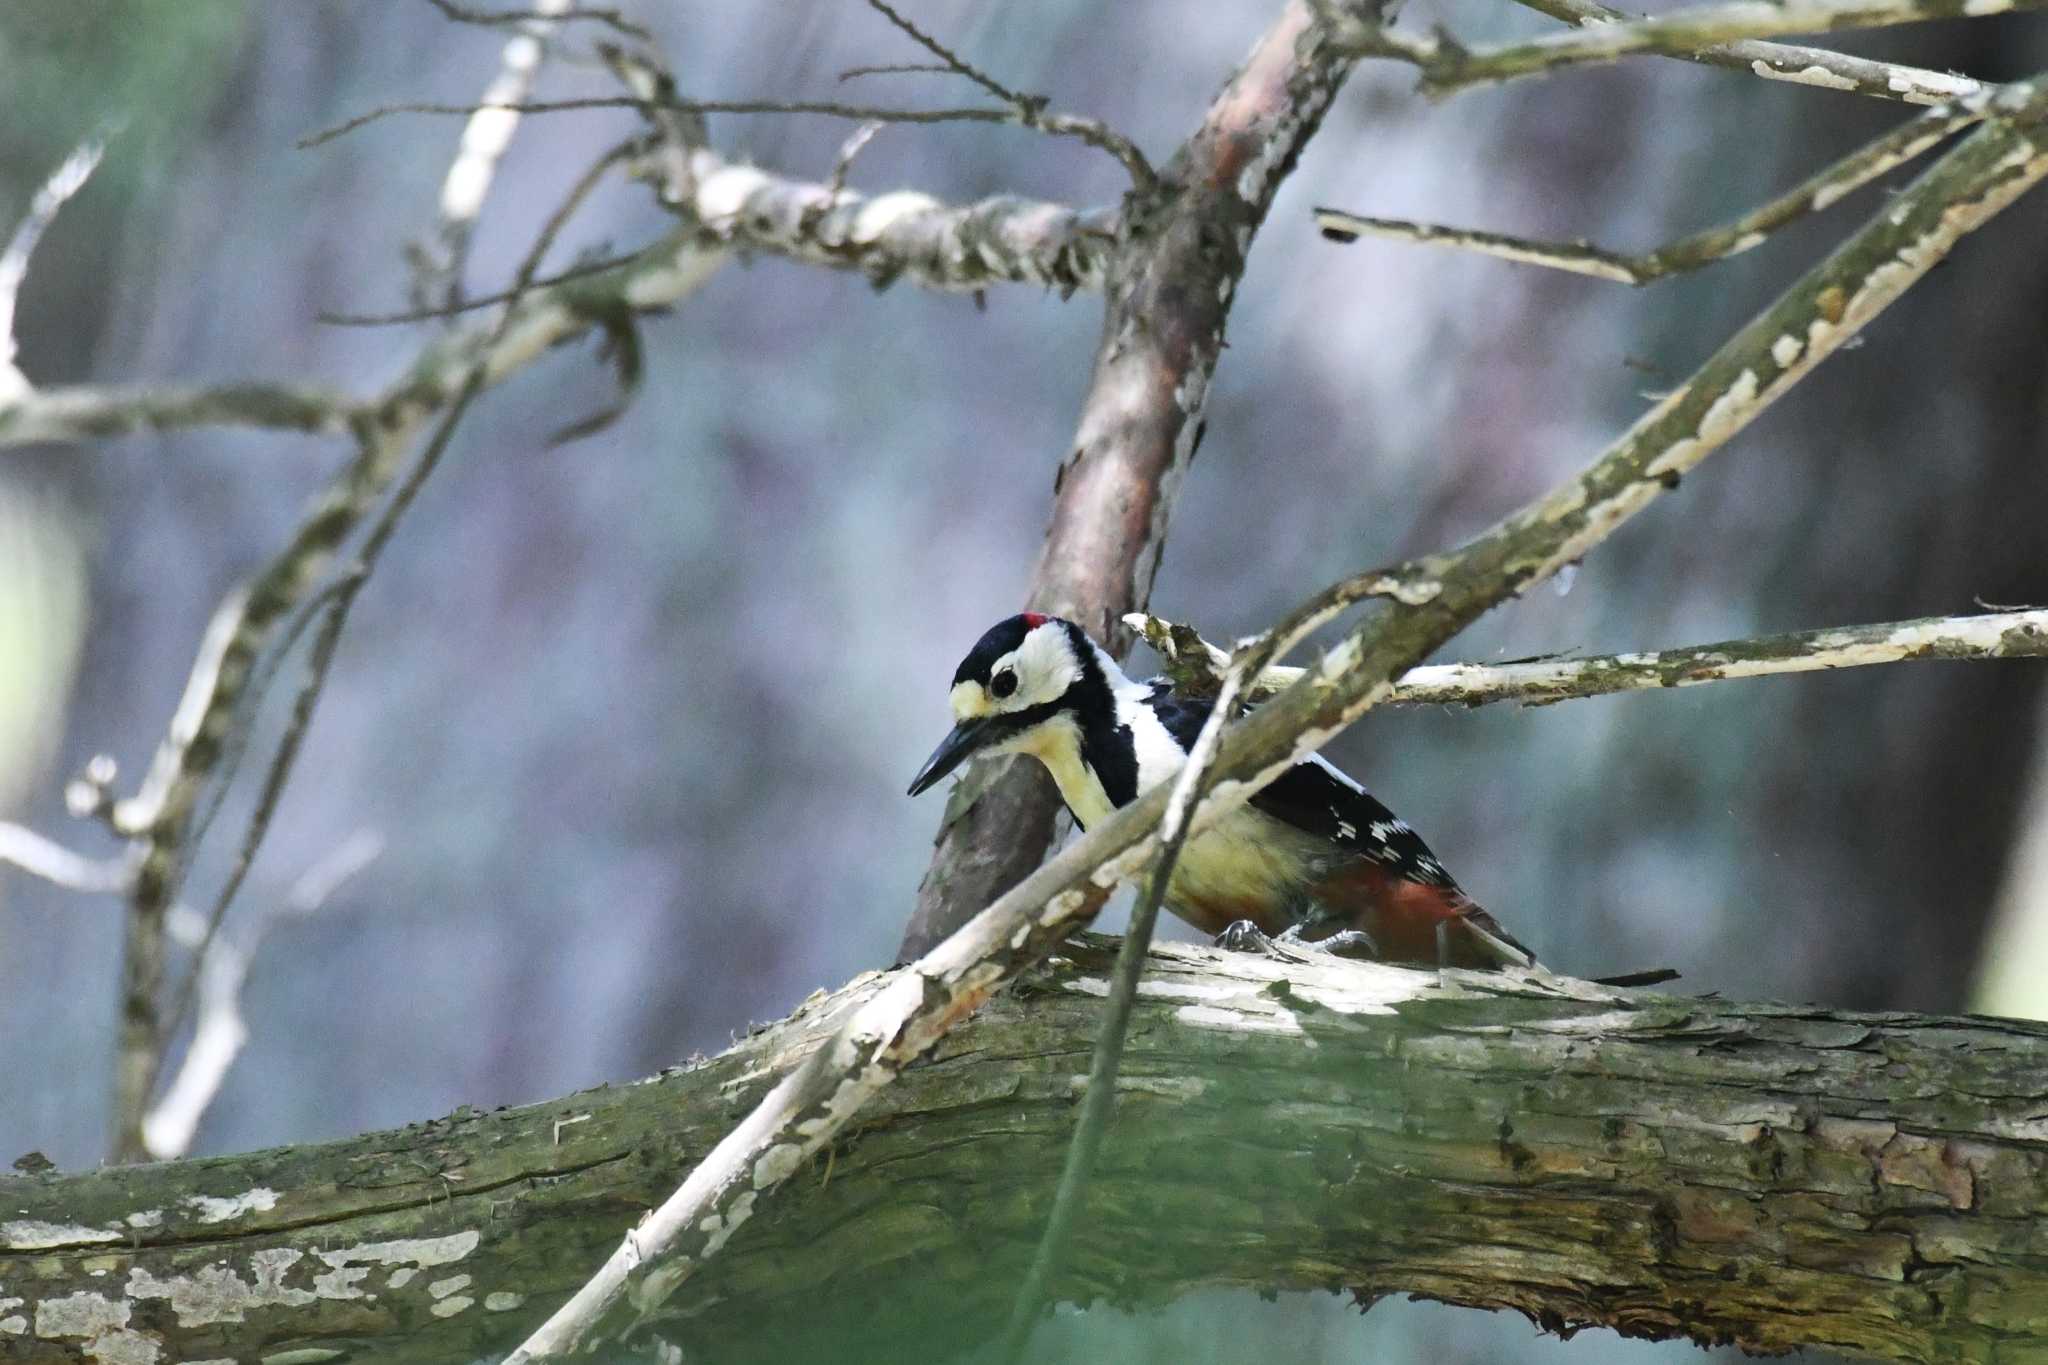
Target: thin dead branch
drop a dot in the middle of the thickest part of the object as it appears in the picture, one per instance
(1818, 192)
(485, 138)
(857, 113)
(1198, 666)
(1031, 110)
(1795, 63)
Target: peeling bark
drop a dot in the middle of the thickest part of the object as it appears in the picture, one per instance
(1768, 1175)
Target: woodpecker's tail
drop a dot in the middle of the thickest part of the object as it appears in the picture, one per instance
(1489, 934)
(1656, 976)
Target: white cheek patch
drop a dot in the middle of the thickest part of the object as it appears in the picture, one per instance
(969, 701)
(1045, 667)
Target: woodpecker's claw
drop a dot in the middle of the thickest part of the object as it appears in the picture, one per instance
(1242, 936)
(1352, 943)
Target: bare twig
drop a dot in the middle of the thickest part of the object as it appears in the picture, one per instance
(1817, 192)
(896, 69)
(1444, 593)
(485, 139)
(1793, 62)
(41, 856)
(1031, 109)
(842, 164)
(858, 113)
(331, 610)
(68, 179)
(677, 134)
(1198, 666)
(235, 744)
(951, 59)
(469, 305)
(1030, 116)
(139, 1037)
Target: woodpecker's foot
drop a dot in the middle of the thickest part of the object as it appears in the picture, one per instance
(1242, 936)
(1351, 943)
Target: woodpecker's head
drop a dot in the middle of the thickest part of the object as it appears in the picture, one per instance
(1026, 674)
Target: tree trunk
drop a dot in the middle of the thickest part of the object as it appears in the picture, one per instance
(1767, 1175)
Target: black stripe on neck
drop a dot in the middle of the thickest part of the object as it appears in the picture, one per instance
(1107, 746)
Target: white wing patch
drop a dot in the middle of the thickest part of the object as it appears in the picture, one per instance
(1159, 753)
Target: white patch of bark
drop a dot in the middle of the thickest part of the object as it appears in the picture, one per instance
(1238, 1021)
(1810, 75)
(210, 1210)
(29, 1234)
(441, 1289)
(777, 1164)
(215, 1293)
(102, 1325)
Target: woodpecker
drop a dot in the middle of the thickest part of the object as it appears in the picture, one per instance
(1312, 858)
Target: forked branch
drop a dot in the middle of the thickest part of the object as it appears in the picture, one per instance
(1198, 666)
(1796, 63)
(1820, 191)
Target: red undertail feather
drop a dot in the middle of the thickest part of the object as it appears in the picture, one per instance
(1402, 918)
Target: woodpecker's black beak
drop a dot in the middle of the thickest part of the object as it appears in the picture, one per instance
(955, 749)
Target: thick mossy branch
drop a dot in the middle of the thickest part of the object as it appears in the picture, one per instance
(1768, 1175)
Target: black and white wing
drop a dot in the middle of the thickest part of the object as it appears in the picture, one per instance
(1317, 798)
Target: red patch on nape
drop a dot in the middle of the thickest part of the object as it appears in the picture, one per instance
(1034, 619)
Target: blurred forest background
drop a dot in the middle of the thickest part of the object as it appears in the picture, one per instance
(631, 718)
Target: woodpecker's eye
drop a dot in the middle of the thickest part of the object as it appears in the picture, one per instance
(1002, 684)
